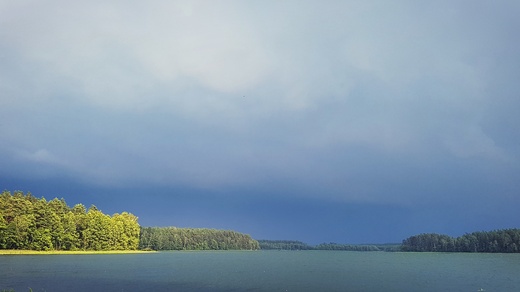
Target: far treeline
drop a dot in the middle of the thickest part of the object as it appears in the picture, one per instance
(497, 241)
(298, 245)
(502, 241)
(173, 238)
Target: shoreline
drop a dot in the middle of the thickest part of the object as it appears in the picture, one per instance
(70, 252)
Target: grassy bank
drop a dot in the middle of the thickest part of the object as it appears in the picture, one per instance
(50, 252)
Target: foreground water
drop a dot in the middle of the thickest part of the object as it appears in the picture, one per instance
(262, 271)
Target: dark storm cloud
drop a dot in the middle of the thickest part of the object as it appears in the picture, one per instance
(377, 101)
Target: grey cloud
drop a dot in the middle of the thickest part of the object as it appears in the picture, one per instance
(238, 93)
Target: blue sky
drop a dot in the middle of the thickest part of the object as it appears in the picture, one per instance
(344, 121)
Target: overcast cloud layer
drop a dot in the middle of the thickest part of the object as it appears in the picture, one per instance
(401, 102)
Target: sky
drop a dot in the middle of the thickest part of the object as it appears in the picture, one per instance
(319, 121)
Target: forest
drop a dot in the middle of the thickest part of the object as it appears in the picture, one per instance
(358, 247)
(284, 245)
(298, 245)
(173, 238)
(503, 241)
(30, 223)
(27, 222)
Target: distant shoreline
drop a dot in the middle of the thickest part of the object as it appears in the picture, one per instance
(69, 252)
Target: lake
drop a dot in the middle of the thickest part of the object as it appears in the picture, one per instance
(262, 271)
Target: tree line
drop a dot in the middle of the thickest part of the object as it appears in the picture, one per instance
(496, 241)
(27, 222)
(283, 245)
(358, 247)
(298, 245)
(173, 238)
(503, 241)
(31, 223)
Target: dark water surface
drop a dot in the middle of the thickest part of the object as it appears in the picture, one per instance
(262, 271)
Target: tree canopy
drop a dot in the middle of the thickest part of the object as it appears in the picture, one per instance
(298, 245)
(504, 241)
(27, 222)
(173, 238)
(284, 245)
